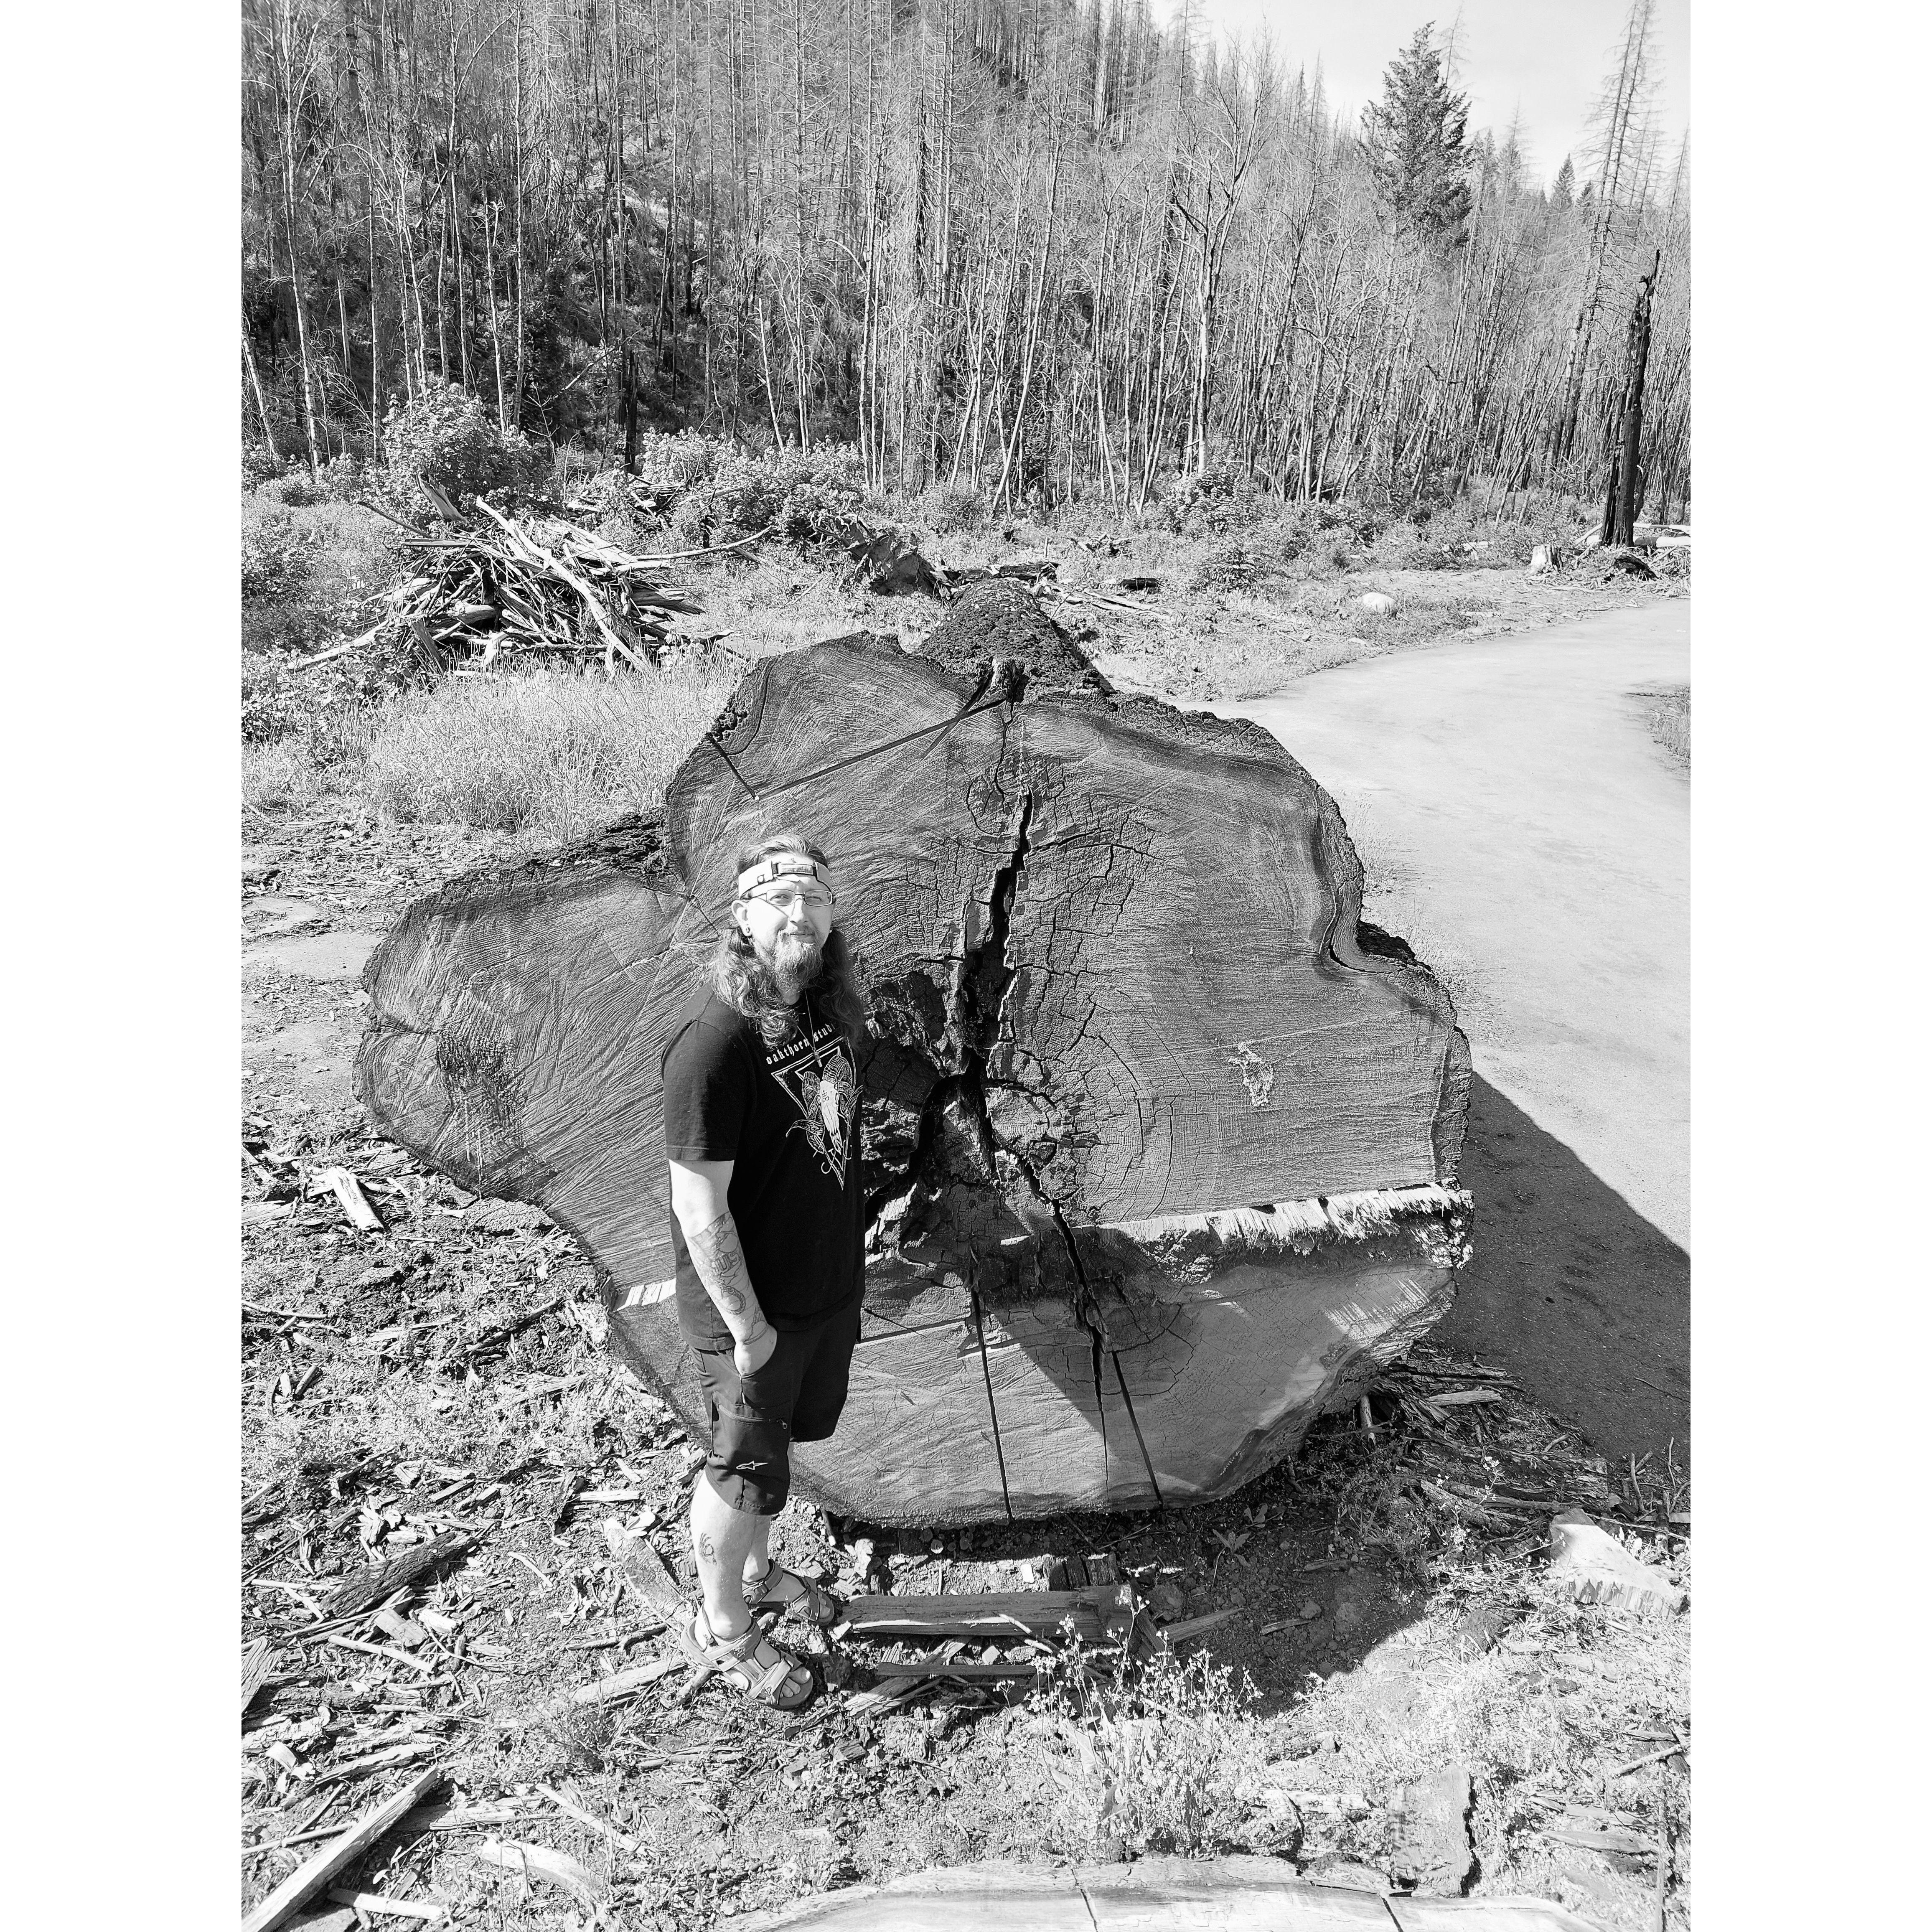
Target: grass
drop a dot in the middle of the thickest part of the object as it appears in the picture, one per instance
(1666, 715)
(553, 751)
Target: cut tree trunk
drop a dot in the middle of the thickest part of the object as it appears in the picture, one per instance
(1159, 1143)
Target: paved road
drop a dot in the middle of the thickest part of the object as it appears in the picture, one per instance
(1521, 830)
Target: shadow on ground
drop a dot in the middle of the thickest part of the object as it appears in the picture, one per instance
(1571, 1289)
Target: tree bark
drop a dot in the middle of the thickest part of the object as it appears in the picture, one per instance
(255, 383)
(1119, 994)
(1623, 498)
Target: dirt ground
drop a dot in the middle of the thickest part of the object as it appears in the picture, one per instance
(1387, 1614)
(1521, 826)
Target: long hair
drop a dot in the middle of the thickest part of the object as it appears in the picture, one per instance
(746, 984)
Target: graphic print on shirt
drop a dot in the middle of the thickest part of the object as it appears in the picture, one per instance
(819, 1079)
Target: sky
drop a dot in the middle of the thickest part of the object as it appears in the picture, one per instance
(1546, 60)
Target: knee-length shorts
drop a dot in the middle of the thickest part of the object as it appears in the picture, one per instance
(797, 1396)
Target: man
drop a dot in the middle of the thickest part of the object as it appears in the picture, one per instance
(761, 1126)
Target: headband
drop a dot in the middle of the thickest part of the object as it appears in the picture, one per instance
(781, 865)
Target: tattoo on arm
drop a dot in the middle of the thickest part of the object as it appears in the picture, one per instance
(720, 1262)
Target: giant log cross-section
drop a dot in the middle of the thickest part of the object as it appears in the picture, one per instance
(1159, 1142)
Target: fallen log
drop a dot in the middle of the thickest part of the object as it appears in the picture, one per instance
(1158, 1142)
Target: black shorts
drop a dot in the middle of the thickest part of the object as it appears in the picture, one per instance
(794, 1397)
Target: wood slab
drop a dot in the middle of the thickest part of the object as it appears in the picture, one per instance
(1153, 1894)
(1119, 991)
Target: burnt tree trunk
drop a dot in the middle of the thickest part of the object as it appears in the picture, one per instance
(628, 375)
(1158, 1144)
(1624, 497)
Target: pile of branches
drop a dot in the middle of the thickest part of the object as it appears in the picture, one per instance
(483, 586)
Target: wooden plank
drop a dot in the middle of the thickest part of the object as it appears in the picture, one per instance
(1416, 1914)
(969, 1673)
(1096, 1613)
(1153, 1894)
(308, 1878)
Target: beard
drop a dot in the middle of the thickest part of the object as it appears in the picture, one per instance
(796, 959)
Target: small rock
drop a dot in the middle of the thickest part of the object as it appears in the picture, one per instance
(1480, 1628)
(1590, 1564)
(506, 1217)
(1310, 1611)
(1379, 603)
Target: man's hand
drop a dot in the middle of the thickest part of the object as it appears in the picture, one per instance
(751, 1352)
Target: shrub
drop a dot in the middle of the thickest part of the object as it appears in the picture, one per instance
(561, 752)
(278, 556)
(309, 573)
(704, 492)
(447, 437)
(949, 508)
(1222, 497)
(260, 465)
(1163, 1758)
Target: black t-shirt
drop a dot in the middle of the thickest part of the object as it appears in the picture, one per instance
(788, 1117)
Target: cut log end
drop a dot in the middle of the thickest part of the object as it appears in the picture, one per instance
(1119, 989)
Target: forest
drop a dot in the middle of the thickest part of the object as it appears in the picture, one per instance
(1047, 251)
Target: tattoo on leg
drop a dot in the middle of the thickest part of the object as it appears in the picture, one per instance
(707, 1549)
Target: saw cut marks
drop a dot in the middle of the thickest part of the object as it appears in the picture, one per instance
(1112, 958)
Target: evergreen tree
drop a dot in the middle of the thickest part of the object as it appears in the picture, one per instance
(1563, 190)
(1414, 142)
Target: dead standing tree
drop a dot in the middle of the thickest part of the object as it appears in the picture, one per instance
(1159, 1140)
(1624, 497)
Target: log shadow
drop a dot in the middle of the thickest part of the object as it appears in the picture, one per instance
(1583, 1300)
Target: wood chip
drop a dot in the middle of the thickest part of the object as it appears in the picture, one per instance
(609, 1689)
(395, 1908)
(1194, 1626)
(366, 1588)
(644, 1569)
(552, 1867)
(348, 1191)
(258, 1661)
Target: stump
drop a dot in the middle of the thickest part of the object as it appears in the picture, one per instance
(1159, 1138)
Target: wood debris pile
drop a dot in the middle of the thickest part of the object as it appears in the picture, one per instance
(534, 583)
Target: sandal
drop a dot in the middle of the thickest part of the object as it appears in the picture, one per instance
(737, 1659)
(804, 1600)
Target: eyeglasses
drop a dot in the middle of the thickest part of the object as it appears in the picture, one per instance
(814, 898)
